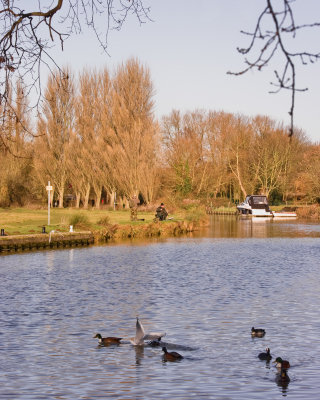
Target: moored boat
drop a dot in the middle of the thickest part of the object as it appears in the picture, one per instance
(258, 206)
(255, 206)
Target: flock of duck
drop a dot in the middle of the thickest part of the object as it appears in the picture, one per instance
(142, 339)
(282, 365)
(154, 340)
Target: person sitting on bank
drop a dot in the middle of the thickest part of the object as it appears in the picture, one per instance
(161, 212)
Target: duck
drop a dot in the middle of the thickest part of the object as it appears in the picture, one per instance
(257, 332)
(171, 356)
(107, 340)
(265, 356)
(141, 336)
(155, 343)
(282, 377)
(280, 363)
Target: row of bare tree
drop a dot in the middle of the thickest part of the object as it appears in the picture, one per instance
(219, 153)
(97, 137)
(98, 134)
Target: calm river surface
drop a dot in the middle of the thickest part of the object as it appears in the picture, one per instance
(205, 292)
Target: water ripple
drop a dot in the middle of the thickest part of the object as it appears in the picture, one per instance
(206, 293)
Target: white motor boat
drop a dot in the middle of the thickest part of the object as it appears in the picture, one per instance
(258, 206)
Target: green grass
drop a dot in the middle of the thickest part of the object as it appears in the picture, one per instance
(24, 221)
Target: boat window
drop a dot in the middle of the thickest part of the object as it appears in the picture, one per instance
(260, 200)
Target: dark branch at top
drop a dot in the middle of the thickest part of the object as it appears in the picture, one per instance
(273, 41)
(26, 36)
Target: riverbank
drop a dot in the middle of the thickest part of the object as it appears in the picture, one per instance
(26, 221)
(44, 241)
(57, 239)
(25, 229)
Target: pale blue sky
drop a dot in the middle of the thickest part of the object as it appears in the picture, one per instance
(189, 48)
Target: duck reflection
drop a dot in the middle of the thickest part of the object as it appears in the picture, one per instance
(139, 354)
(283, 380)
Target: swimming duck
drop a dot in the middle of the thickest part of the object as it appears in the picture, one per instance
(107, 340)
(171, 356)
(257, 332)
(265, 356)
(141, 336)
(280, 363)
(155, 343)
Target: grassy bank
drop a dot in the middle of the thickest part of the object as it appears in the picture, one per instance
(106, 223)
(109, 223)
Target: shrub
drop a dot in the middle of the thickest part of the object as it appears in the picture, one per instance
(312, 212)
(104, 221)
(79, 220)
(195, 214)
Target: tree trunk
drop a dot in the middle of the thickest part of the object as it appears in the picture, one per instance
(86, 197)
(98, 197)
(78, 197)
(123, 201)
(112, 197)
(60, 197)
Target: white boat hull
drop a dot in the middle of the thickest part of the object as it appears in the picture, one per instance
(261, 213)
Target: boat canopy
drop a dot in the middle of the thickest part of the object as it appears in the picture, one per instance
(258, 200)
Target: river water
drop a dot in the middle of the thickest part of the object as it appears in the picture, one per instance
(204, 291)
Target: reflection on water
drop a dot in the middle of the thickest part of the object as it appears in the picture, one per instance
(259, 227)
(282, 382)
(139, 354)
(206, 292)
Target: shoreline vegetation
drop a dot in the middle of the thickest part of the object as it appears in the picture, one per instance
(28, 220)
(104, 225)
(27, 229)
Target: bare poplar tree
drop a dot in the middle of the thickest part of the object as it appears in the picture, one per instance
(76, 171)
(15, 152)
(133, 127)
(106, 142)
(54, 129)
(86, 129)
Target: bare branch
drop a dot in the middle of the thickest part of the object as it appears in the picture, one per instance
(274, 42)
(27, 36)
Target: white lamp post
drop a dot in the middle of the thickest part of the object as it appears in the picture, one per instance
(49, 188)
